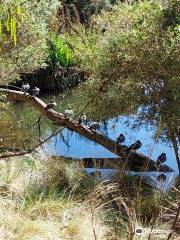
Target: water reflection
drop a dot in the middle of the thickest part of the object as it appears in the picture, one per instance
(149, 177)
(71, 144)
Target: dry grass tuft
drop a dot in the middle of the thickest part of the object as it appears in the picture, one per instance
(39, 201)
(50, 198)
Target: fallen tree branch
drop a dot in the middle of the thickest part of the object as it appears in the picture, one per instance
(133, 157)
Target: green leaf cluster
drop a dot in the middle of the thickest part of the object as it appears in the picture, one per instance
(11, 17)
(60, 53)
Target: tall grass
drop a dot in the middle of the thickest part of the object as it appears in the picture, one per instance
(50, 198)
(41, 199)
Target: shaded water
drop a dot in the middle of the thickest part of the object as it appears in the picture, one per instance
(71, 144)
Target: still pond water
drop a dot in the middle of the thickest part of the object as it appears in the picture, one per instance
(71, 144)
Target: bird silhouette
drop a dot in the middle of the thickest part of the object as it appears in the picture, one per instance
(161, 158)
(82, 119)
(162, 177)
(136, 145)
(120, 139)
(51, 105)
(35, 91)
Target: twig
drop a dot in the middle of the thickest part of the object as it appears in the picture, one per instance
(37, 121)
(92, 222)
(64, 140)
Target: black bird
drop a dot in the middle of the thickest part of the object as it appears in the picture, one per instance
(120, 139)
(136, 145)
(51, 105)
(25, 87)
(162, 177)
(161, 158)
(35, 91)
(80, 120)
(95, 125)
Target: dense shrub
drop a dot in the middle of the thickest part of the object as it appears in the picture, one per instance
(23, 34)
(134, 61)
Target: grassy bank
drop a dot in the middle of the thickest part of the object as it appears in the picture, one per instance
(45, 198)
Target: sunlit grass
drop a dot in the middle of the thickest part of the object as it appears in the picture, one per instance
(38, 200)
(51, 198)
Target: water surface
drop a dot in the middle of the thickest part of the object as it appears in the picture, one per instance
(71, 144)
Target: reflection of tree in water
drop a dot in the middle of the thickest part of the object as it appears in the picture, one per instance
(64, 140)
(105, 127)
(20, 130)
(11, 133)
(164, 114)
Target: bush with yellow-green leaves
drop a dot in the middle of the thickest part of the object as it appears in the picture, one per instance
(23, 36)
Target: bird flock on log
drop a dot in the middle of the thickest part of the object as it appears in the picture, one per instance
(94, 126)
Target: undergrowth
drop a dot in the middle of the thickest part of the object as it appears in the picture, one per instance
(53, 198)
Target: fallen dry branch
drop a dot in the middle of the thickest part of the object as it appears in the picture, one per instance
(132, 157)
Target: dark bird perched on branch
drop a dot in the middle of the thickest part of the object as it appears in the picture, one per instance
(136, 145)
(35, 91)
(95, 125)
(120, 139)
(162, 177)
(25, 87)
(51, 105)
(80, 121)
(161, 159)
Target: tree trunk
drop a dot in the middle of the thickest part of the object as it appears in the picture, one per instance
(175, 146)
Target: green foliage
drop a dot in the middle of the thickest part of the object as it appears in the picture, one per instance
(11, 16)
(23, 33)
(60, 53)
(134, 62)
